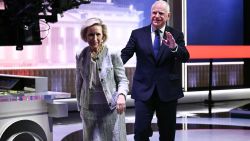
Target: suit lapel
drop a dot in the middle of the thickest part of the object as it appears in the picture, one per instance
(148, 41)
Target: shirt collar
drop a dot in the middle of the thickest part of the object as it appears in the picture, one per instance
(161, 29)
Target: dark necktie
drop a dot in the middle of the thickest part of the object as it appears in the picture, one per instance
(157, 42)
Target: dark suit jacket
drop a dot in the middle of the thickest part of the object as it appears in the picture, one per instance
(163, 72)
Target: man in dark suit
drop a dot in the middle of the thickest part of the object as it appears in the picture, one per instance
(157, 80)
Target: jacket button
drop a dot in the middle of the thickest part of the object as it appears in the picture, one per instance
(99, 69)
(109, 104)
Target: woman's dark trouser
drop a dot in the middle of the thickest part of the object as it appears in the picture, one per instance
(166, 118)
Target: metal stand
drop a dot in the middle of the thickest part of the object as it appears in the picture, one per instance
(209, 101)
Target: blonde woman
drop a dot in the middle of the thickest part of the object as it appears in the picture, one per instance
(101, 86)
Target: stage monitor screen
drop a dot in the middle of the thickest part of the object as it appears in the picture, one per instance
(215, 29)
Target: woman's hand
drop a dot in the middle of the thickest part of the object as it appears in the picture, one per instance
(121, 104)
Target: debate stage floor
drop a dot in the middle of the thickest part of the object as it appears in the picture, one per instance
(193, 123)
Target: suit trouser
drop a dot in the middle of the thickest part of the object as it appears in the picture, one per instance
(102, 124)
(166, 118)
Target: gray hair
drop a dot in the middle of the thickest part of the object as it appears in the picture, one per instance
(163, 2)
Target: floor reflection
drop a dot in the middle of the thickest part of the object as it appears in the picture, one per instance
(193, 123)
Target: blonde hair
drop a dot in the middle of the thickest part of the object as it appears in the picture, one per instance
(92, 22)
